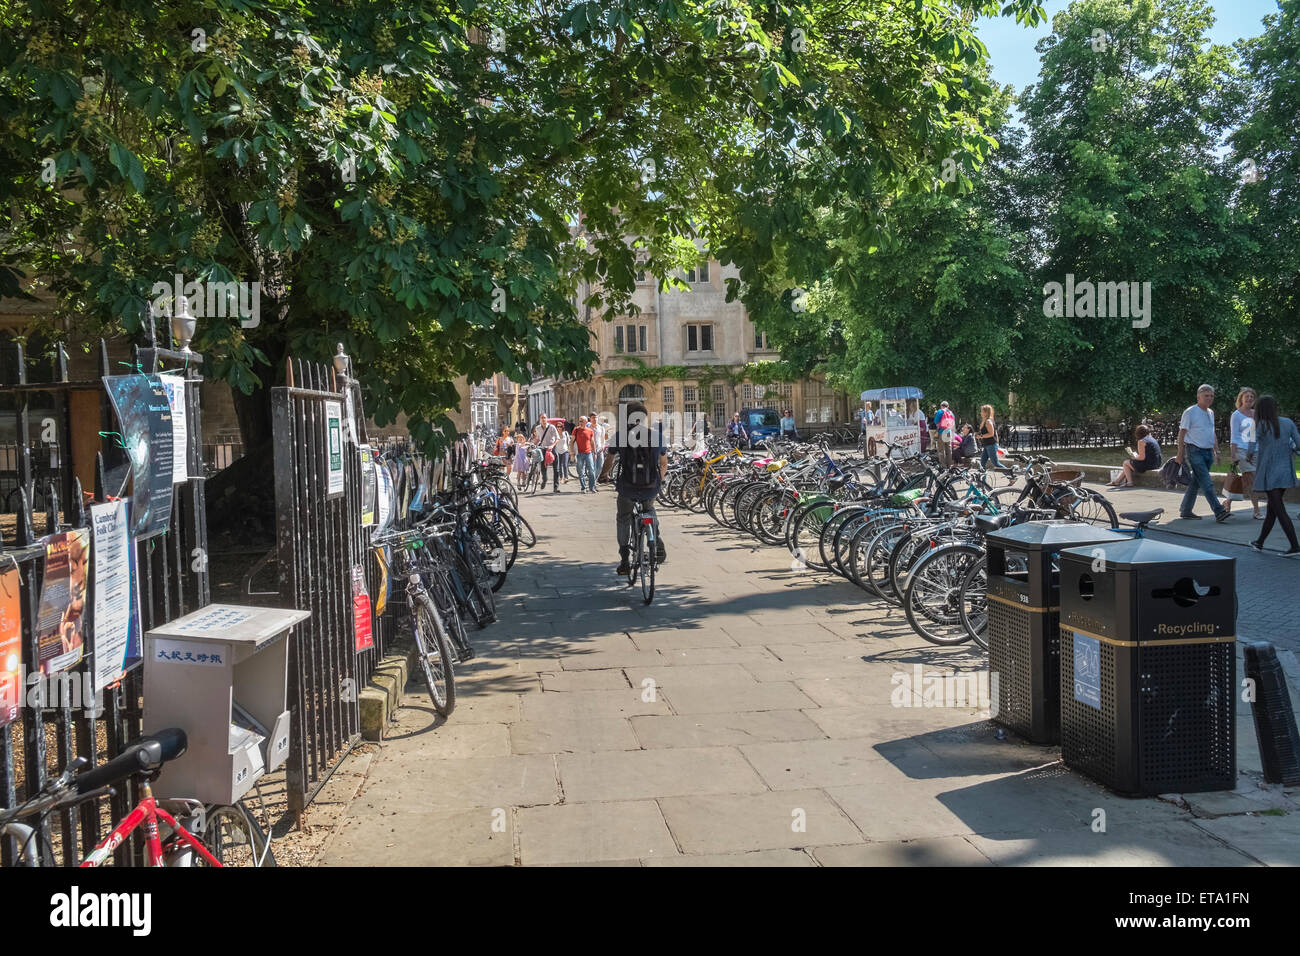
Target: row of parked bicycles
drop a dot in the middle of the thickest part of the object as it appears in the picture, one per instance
(908, 532)
(453, 559)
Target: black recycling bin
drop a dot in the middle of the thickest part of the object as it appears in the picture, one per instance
(1148, 667)
(1024, 636)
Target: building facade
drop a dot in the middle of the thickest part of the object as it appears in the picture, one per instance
(653, 356)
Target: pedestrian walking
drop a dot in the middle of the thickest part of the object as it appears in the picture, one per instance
(584, 441)
(562, 454)
(521, 457)
(944, 424)
(788, 430)
(548, 437)
(1198, 448)
(1277, 442)
(1242, 447)
(987, 435)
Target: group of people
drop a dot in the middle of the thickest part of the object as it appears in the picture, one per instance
(956, 446)
(1261, 447)
(558, 446)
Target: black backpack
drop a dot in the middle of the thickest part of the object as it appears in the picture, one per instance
(640, 464)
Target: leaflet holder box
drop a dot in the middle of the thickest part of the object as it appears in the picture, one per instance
(220, 674)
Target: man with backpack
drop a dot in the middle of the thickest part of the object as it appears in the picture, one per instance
(643, 464)
(944, 422)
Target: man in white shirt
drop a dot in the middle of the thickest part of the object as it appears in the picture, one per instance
(548, 438)
(602, 439)
(1198, 447)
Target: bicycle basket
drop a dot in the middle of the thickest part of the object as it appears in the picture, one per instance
(1073, 478)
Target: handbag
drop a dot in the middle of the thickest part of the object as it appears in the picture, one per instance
(1233, 486)
(550, 457)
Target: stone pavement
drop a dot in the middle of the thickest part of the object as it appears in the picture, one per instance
(749, 716)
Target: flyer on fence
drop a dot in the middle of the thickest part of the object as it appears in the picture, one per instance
(368, 486)
(116, 632)
(361, 609)
(60, 619)
(11, 646)
(174, 386)
(334, 448)
(384, 496)
(145, 419)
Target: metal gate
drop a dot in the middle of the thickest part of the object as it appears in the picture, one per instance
(318, 542)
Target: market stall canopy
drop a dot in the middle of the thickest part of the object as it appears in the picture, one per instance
(900, 394)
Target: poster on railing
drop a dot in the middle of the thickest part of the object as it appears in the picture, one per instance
(334, 448)
(174, 386)
(11, 647)
(369, 490)
(117, 600)
(61, 615)
(384, 495)
(145, 418)
(361, 609)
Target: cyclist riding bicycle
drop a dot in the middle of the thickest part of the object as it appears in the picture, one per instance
(643, 463)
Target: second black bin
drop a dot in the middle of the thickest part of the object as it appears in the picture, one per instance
(1024, 636)
(1148, 667)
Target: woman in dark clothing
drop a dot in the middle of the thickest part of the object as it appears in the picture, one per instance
(1146, 458)
(1278, 441)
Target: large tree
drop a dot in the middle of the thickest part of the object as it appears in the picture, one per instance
(1128, 186)
(1266, 152)
(404, 176)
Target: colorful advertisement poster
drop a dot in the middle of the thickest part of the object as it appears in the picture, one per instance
(116, 619)
(369, 491)
(361, 609)
(334, 448)
(174, 386)
(11, 647)
(60, 620)
(145, 419)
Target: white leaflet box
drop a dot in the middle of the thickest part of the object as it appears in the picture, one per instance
(220, 674)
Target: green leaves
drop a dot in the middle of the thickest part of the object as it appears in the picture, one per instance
(126, 163)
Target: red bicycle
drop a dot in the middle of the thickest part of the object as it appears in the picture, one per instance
(233, 834)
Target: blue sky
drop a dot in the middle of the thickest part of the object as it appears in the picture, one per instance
(1011, 46)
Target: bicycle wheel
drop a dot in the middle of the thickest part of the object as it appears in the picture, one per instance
(1091, 507)
(233, 836)
(646, 548)
(444, 598)
(931, 601)
(435, 654)
(974, 604)
(527, 537)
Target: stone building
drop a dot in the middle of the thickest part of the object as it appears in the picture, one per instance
(684, 353)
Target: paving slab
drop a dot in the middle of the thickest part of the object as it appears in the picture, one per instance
(459, 783)
(559, 735)
(581, 704)
(636, 774)
(808, 764)
(445, 838)
(949, 851)
(736, 823)
(756, 858)
(724, 730)
(1271, 838)
(621, 831)
(736, 696)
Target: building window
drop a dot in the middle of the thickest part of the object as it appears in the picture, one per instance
(699, 274)
(669, 399)
(630, 338)
(618, 338)
(699, 338)
(630, 393)
(688, 394)
(719, 411)
(748, 393)
(760, 341)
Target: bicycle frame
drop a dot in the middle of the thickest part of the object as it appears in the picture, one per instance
(146, 812)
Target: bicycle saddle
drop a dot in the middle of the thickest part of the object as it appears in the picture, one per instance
(987, 523)
(1142, 517)
(143, 755)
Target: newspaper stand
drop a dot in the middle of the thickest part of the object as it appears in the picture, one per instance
(220, 675)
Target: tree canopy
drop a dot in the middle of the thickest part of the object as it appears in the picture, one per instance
(404, 177)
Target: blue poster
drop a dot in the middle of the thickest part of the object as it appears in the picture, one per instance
(145, 416)
(1087, 670)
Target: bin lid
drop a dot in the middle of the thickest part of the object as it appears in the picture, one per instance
(1136, 552)
(1053, 535)
(231, 624)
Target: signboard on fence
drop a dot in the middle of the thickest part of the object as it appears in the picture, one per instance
(11, 648)
(61, 618)
(361, 610)
(145, 418)
(334, 448)
(117, 599)
(174, 386)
